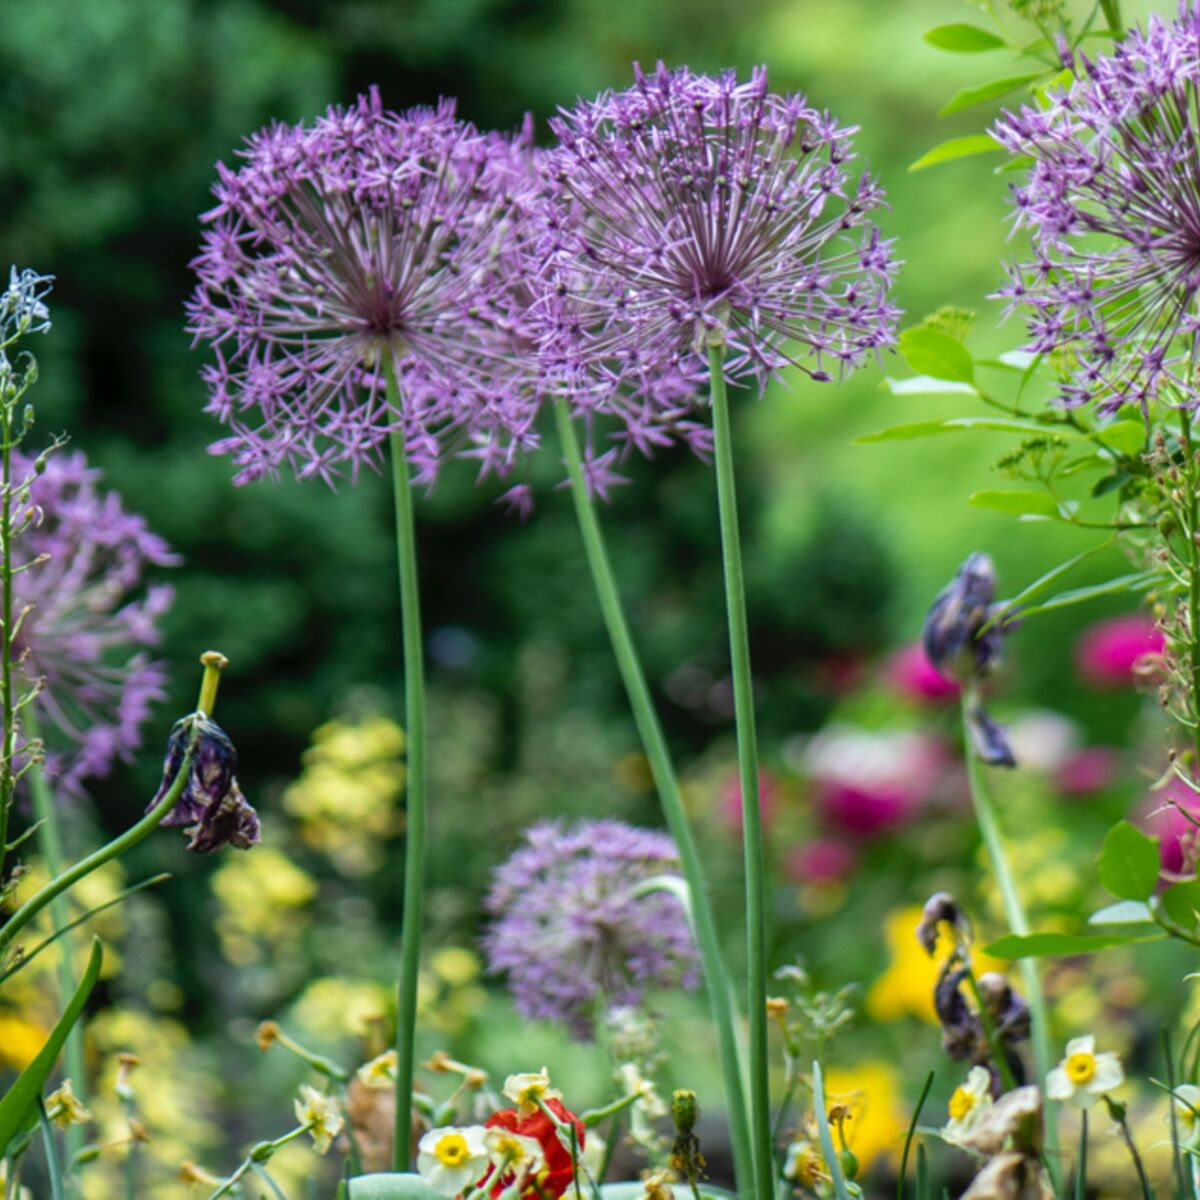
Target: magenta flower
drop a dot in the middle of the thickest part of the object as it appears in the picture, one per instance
(823, 860)
(364, 240)
(910, 673)
(576, 931)
(1112, 203)
(1109, 651)
(690, 210)
(1087, 771)
(90, 623)
(1171, 814)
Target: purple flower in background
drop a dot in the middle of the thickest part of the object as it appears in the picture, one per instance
(364, 240)
(1112, 203)
(88, 626)
(691, 210)
(573, 929)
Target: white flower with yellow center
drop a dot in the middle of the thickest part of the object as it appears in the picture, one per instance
(320, 1115)
(380, 1072)
(1186, 1103)
(1084, 1076)
(64, 1108)
(968, 1104)
(513, 1154)
(450, 1159)
(804, 1165)
(526, 1090)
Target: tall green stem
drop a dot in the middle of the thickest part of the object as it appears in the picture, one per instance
(752, 845)
(716, 975)
(1014, 913)
(1193, 571)
(8, 736)
(414, 848)
(45, 812)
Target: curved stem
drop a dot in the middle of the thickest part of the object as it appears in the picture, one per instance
(1014, 913)
(414, 846)
(752, 846)
(666, 782)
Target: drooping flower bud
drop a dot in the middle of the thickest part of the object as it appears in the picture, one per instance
(955, 639)
(942, 907)
(211, 807)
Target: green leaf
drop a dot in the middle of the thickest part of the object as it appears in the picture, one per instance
(1129, 862)
(1021, 501)
(931, 352)
(921, 429)
(1125, 437)
(963, 38)
(983, 92)
(393, 1186)
(1051, 945)
(1137, 582)
(926, 385)
(1124, 912)
(1182, 903)
(959, 147)
(18, 1109)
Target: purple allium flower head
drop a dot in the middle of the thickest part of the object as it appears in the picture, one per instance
(690, 210)
(211, 805)
(366, 237)
(571, 930)
(88, 630)
(1112, 205)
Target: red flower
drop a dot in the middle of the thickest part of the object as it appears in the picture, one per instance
(559, 1171)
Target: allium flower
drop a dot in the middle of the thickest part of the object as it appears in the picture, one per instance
(87, 630)
(1112, 203)
(211, 805)
(1084, 1076)
(694, 210)
(573, 923)
(365, 239)
(968, 1104)
(451, 1159)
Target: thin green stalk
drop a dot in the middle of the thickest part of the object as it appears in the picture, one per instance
(414, 847)
(1081, 1161)
(8, 778)
(752, 844)
(666, 782)
(45, 812)
(53, 1165)
(1014, 912)
(999, 1054)
(1193, 557)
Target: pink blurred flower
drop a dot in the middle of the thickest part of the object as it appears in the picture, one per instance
(823, 860)
(1178, 837)
(1088, 770)
(868, 781)
(910, 673)
(731, 801)
(1108, 650)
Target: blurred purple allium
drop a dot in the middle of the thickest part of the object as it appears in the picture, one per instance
(1112, 204)
(89, 624)
(211, 806)
(691, 210)
(571, 929)
(363, 237)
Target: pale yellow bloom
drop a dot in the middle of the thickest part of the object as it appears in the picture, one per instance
(64, 1108)
(968, 1104)
(379, 1072)
(1186, 1103)
(1084, 1076)
(526, 1090)
(320, 1114)
(877, 1118)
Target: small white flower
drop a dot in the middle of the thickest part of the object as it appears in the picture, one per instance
(968, 1104)
(1084, 1076)
(526, 1090)
(804, 1165)
(450, 1159)
(320, 1114)
(379, 1073)
(1186, 1103)
(511, 1152)
(630, 1077)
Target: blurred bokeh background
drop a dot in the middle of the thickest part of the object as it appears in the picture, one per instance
(112, 115)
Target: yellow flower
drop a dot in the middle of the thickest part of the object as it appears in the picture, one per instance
(321, 1116)
(804, 1165)
(455, 965)
(877, 1122)
(20, 1040)
(340, 1007)
(906, 987)
(379, 1072)
(261, 896)
(63, 1107)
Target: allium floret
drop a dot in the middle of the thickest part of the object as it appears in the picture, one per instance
(365, 240)
(87, 631)
(1112, 205)
(579, 925)
(691, 210)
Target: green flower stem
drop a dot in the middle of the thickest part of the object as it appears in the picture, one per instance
(1014, 912)
(716, 975)
(53, 1165)
(989, 1031)
(1081, 1161)
(752, 845)
(1193, 575)
(414, 846)
(45, 812)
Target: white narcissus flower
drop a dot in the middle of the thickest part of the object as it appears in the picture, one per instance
(320, 1115)
(511, 1152)
(1084, 1076)
(380, 1072)
(451, 1159)
(1186, 1103)
(968, 1104)
(526, 1090)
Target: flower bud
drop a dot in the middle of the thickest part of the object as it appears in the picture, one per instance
(954, 637)
(685, 1111)
(938, 908)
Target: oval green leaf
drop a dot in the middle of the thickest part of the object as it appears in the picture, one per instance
(1129, 862)
(983, 92)
(959, 147)
(1019, 501)
(1182, 903)
(930, 352)
(1052, 945)
(962, 38)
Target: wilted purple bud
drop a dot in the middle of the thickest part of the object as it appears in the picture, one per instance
(211, 806)
(955, 639)
(1008, 1011)
(960, 1026)
(963, 1032)
(942, 907)
(989, 738)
